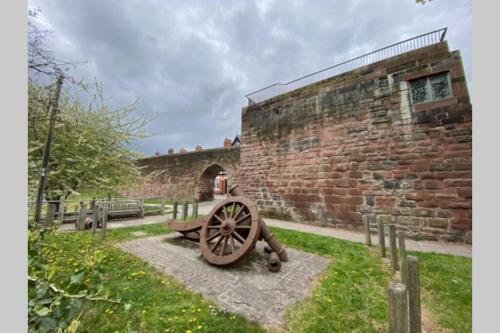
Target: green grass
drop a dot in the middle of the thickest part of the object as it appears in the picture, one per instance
(446, 283)
(158, 303)
(158, 201)
(351, 296)
(155, 210)
(124, 234)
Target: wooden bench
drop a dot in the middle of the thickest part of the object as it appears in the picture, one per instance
(115, 209)
(124, 208)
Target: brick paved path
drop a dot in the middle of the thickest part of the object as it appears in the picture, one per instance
(247, 288)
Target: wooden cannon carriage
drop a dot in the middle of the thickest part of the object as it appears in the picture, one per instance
(231, 231)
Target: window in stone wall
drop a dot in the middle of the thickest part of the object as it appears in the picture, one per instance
(430, 88)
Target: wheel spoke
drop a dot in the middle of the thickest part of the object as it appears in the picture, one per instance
(232, 209)
(239, 212)
(225, 213)
(216, 244)
(232, 244)
(223, 246)
(242, 218)
(214, 226)
(243, 227)
(218, 218)
(238, 237)
(213, 236)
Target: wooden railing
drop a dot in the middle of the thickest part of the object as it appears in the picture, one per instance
(75, 211)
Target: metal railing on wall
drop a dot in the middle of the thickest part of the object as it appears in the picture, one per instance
(407, 45)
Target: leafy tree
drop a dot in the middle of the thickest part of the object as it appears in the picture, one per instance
(91, 147)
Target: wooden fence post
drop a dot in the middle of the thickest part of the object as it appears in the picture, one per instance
(402, 257)
(49, 218)
(368, 236)
(185, 210)
(81, 217)
(394, 247)
(414, 295)
(195, 209)
(174, 213)
(381, 238)
(141, 203)
(95, 219)
(60, 215)
(398, 308)
(162, 206)
(92, 203)
(104, 223)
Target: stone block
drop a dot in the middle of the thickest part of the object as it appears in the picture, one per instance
(346, 183)
(391, 184)
(438, 222)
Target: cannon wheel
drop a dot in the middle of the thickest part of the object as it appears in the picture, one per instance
(237, 229)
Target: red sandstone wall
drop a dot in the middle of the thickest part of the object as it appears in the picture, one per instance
(354, 147)
(186, 176)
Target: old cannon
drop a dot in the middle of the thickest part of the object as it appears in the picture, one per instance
(231, 231)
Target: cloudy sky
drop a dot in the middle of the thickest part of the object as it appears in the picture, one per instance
(190, 63)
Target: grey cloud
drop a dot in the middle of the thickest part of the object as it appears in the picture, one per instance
(192, 62)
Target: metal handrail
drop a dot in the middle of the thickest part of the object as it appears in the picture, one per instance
(392, 50)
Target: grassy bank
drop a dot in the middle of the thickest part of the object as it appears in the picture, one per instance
(349, 297)
(157, 303)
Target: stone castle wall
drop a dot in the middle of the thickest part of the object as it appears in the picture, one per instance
(188, 175)
(354, 148)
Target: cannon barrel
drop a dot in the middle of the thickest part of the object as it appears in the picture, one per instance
(274, 262)
(271, 240)
(266, 234)
(235, 191)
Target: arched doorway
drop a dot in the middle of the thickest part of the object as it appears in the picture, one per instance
(213, 180)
